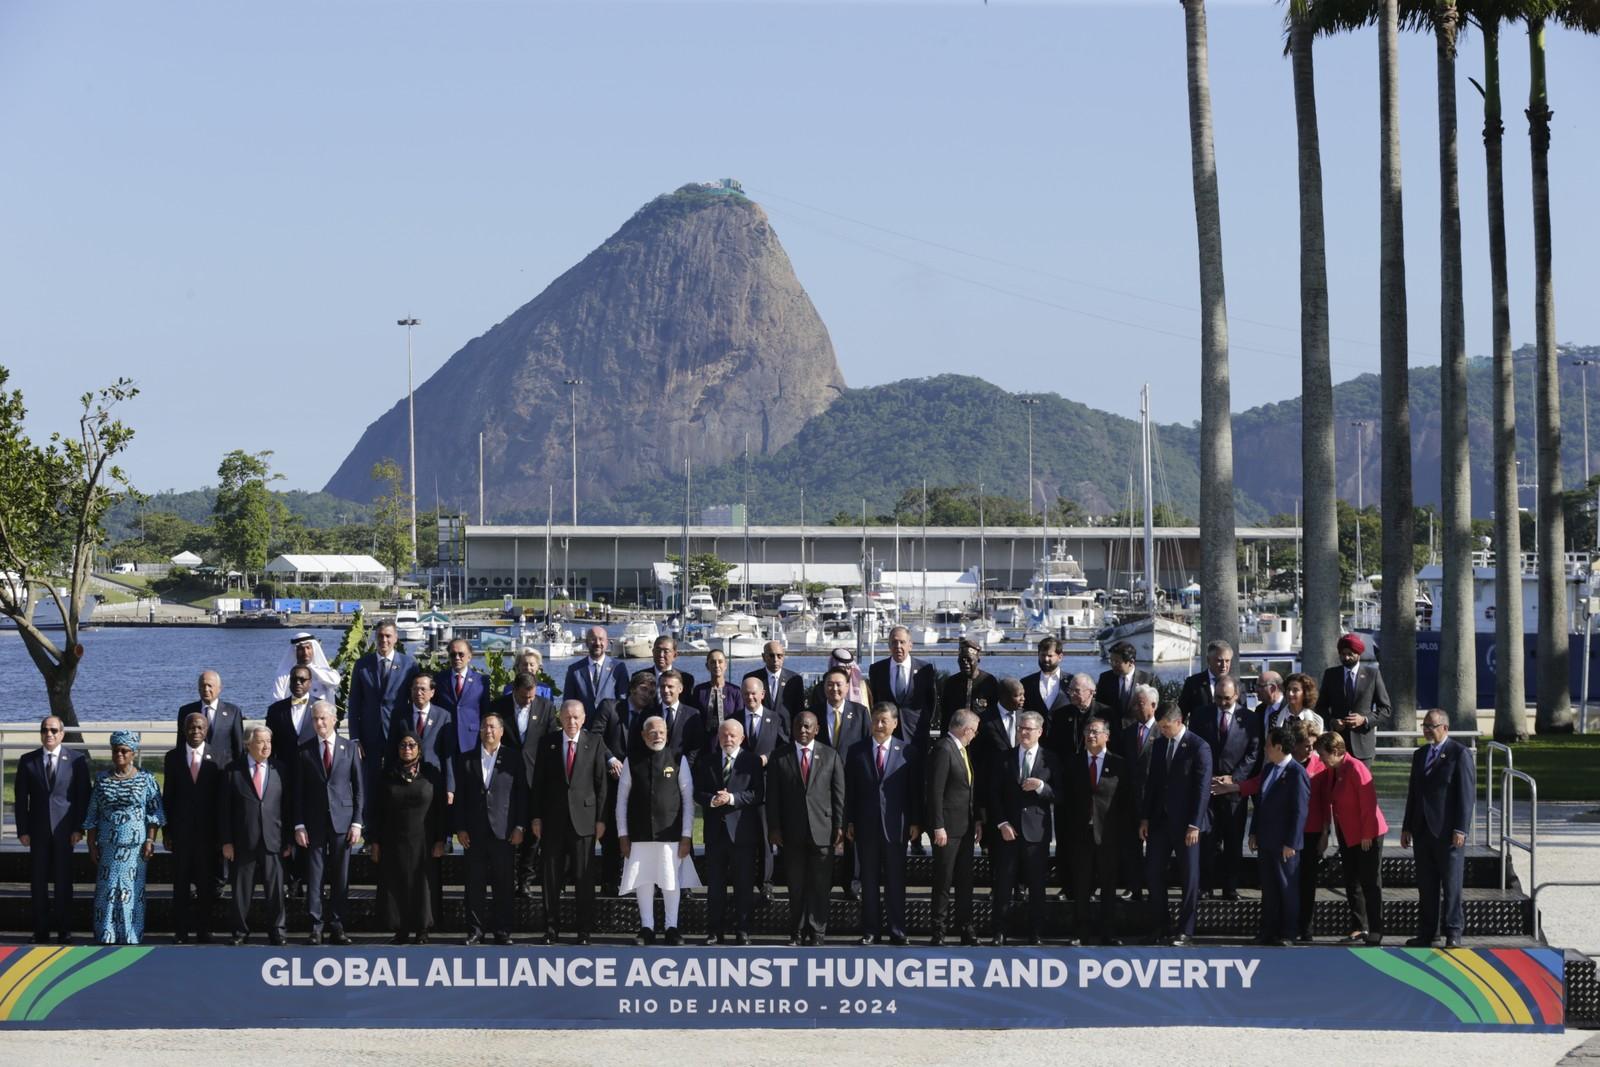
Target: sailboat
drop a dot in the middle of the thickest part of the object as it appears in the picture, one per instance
(1154, 637)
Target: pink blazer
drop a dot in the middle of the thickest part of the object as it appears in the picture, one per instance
(1354, 799)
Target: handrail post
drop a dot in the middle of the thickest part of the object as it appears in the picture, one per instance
(1531, 846)
(1490, 811)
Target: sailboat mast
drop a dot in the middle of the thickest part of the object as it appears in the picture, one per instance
(1149, 528)
(683, 582)
(983, 557)
(549, 521)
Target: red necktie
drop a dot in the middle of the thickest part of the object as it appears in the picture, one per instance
(327, 757)
(572, 755)
(460, 681)
(260, 778)
(880, 761)
(805, 766)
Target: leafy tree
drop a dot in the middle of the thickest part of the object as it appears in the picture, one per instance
(392, 519)
(244, 515)
(704, 569)
(55, 498)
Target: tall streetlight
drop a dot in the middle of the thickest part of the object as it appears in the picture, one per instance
(1029, 403)
(574, 383)
(1583, 364)
(411, 426)
(1361, 426)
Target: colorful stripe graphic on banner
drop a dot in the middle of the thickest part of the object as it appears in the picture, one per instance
(33, 982)
(1471, 985)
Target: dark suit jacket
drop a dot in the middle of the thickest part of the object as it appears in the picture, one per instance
(950, 799)
(992, 742)
(41, 811)
(728, 825)
(1032, 700)
(569, 808)
(438, 741)
(1371, 700)
(1108, 809)
(226, 730)
(1239, 754)
(1179, 796)
(884, 805)
(191, 804)
(466, 710)
(1196, 694)
(808, 812)
(1063, 727)
(373, 702)
(286, 741)
(249, 824)
(1030, 814)
(920, 705)
(327, 802)
(792, 690)
(1441, 800)
(541, 719)
(1280, 817)
(1107, 690)
(613, 683)
(686, 732)
(688, 687)
(495, 812)
(852, 727)
(775, 730)
(1136, 757)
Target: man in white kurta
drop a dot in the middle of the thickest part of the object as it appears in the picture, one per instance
(655, 830)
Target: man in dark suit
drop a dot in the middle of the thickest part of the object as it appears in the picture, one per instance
(618, 723)
(1114, 689)
(1063, 727)
(463, 691)
(969, 686)
(686, 729)
(1271, 707)
(528, 717)
(51, 797)
(882, 783)
(1200, 689)
(766, 729)
(806, 816)
(569, 792)
(435, 730)
(1098, 813)
(1025, 785)
(664, 658)
(224, 721)
(997, 735)
(290, 721)
(487, 817)
(191, 776)
(911, 684)
(1234, 734)
(1177, 810)
(1277, 835)
(329, 792)
(253, 812)
(380, 685)
(730, 785)
(954, 824)
(1045, 689)
(1438, 817)
(1353, 700)
(841, 722)
(782, 687)
(1135, 742)
(597, 677)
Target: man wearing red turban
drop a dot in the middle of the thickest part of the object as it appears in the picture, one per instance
(1353, 700)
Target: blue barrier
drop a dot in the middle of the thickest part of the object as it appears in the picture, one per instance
(321, 607)
(290, 605)
(252, 604)
(110, 988)
(349, 607)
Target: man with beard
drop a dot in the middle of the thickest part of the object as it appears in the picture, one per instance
(655, 830)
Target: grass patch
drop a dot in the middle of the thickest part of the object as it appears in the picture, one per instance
(1566, 768)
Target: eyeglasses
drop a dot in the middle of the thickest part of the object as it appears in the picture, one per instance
(50, 729)
(1432, 726)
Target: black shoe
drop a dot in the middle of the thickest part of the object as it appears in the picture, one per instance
(581, 939)
(741, 939)
(399, 939)
(645, 936)
(277, 939)
(1419, 942)
(474, 939)
(1230, 894)
(1303, 938)
(713, 939)
(1353, 939)
(521, 889)
(1263, 940)
(1374, 939)
(1111, 942)
(936, 941)
(422, 938)
(204, 939)
(502, 939)
(339, 937)
(868, 939)
(794, 941)
(1452, 942)
(764, 894)
(852, 893)
(999, 939)
(898, 940)
(315, 938)
(969, 939)
(179, 939)
(1182, 941)
(64, 939)
(673, 937)
(236, 939)
(41, 939)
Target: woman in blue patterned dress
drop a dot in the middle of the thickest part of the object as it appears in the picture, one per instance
(124, 812)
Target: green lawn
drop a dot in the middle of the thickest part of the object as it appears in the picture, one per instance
(1566, 768)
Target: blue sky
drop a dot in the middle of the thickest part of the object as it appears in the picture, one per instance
(233, 203)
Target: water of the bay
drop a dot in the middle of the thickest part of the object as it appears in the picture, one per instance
(144, 674)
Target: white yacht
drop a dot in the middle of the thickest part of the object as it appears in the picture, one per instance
(1006, 608)
(638, 638)
(831, 606)
(949, 620)
(793, 603)
(701, 607)
(408, 627)
(738, 635)
(1058, 598)
(983, 632)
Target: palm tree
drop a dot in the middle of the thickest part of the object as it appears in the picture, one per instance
(1510, 692)
(1219, 557)
(1320, 615)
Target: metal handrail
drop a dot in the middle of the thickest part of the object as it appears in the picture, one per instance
(95, 740)
(1489, 809)
(1530, 846)
(1538, 920)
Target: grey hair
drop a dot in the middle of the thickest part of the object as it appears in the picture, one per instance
(1148, 692)
(962, 719)
(259, 728)
(1032, 718)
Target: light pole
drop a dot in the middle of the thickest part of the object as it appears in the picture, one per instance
(1583, 364)
(1030, 402)
(574, 383)
(411, 433)
(1361, 426)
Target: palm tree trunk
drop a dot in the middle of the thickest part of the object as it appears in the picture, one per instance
(1320, 614)
(1555, 697)
(1399, 632)
(1510, 686)
(1219, 568)
(1458, 668)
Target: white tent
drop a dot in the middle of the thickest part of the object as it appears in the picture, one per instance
(329, 570)
(186, 559)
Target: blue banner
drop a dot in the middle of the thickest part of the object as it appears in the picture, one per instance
(252, 604)
(290, 605)
(349, 607)
(112, 988)
(320, 607)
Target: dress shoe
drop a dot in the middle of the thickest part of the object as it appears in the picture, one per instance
(810, 939)
(1182, 941)
(1452, 942)
(179, 939)
(673, 937)
(1419, 942)
(1261, 940)
(713, 939)
(581, 939)
(521, 889)
(645, 936)
(793, 942)
(1355, 938)
(1110, 942)
(764, 894)
(898, 940)
(969, 939)
(1303, 938)
(64, 939)
(339, 937)
(41, 939)
(236, 939)
(741, 939)
(999, 940)
(1230, 894)
(868, 939)
(937, 940)
(277, 940)
(474, 939)
(204, 939)
(551, 937)
(1374, 939)
(314, 939)
(1074, 942)
(422, 938)
(399, 939)
(502, 939)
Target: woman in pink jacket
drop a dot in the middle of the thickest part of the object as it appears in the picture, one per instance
(1361, 826)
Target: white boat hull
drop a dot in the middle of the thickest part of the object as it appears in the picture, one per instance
(1156, 639)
